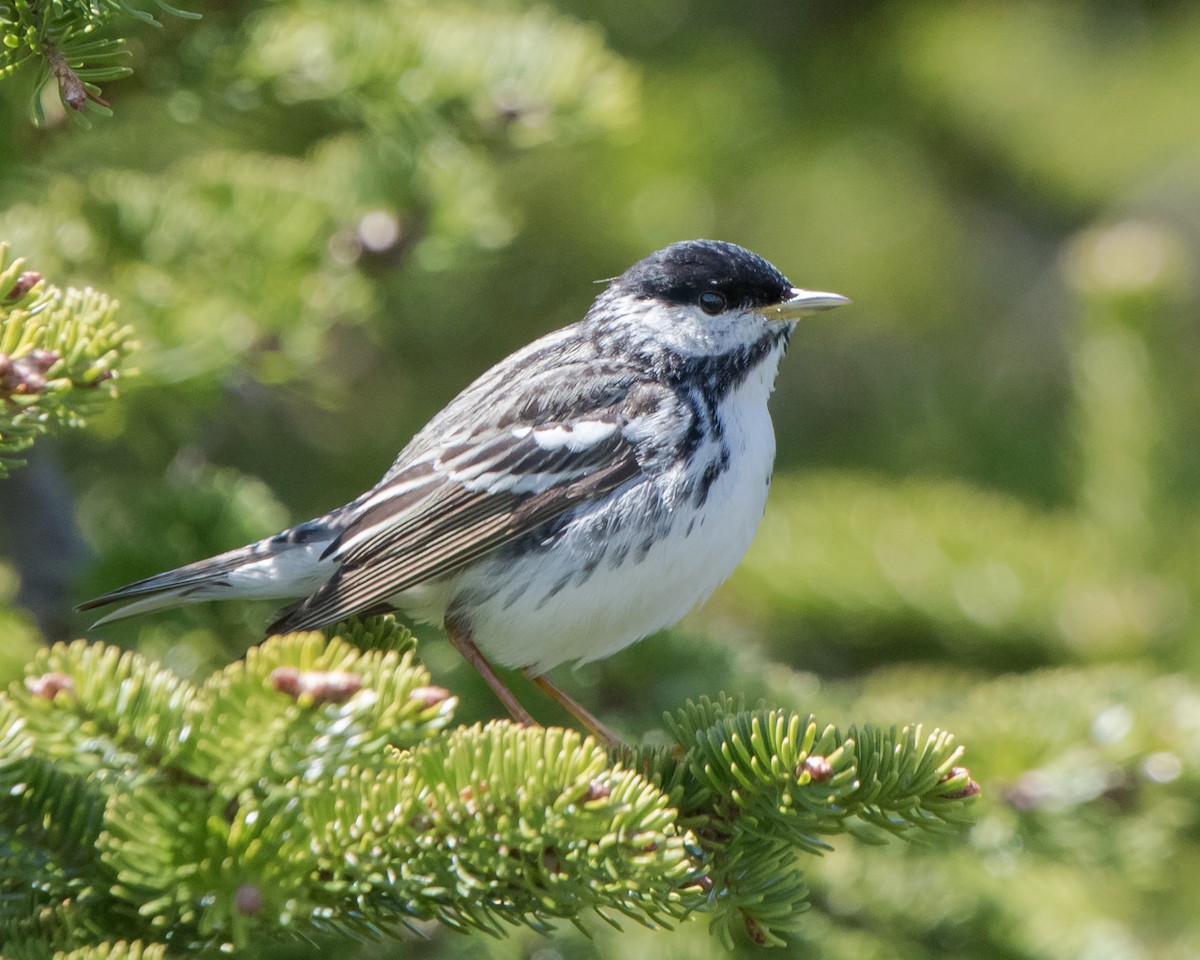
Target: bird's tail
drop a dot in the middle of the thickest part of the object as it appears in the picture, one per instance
(285, 566)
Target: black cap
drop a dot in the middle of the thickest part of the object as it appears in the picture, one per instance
(683, 271)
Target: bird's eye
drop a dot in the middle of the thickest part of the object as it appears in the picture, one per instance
(712, 302)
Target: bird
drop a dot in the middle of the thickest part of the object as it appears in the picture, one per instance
(585, 492)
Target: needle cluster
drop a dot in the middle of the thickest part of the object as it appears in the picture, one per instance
(59, 351)
(318, 788)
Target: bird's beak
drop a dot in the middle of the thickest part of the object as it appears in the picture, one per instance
(802, 303)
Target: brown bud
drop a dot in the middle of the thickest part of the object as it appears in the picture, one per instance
(30, 380)
(248, 900)
(42, 360)
(429, 696)
(286, 680)
(9, 376)
(702, 883)
(335, 686)
(969, 789)
(74, 93)
(755, 932)
(818, 769)
(72, 90)
(25, 282)
(49, 685)
(596, 791)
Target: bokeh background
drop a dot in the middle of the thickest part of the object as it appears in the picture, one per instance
(325, 217)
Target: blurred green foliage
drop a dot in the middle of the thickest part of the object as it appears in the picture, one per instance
(323, 219)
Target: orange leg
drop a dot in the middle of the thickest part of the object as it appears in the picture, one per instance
(474, 656)
(577, 710)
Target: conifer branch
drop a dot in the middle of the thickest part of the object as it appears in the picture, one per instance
(59, 351)
(60, 40)
(316, 787)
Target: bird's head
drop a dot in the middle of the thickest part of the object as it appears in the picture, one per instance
(704, 298)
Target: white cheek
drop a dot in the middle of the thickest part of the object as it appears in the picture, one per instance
(689, 331)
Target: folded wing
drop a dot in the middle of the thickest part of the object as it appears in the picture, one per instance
(476, 492)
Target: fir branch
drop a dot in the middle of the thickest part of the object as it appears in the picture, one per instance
(61, 39)
(315, 788)
(499, 825)
(255, 725)
(766, 785)
(59, 351)
(50, 825)
(101, 712)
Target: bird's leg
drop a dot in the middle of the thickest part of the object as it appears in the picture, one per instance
(576, 709)
(474, 656)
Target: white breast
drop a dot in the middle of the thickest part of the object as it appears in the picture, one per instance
(535, 620)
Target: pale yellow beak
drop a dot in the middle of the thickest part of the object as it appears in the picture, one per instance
(802, 303)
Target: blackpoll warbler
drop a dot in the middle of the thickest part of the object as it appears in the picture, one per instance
(586, 491)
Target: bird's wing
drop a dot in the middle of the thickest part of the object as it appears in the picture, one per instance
(480, 489)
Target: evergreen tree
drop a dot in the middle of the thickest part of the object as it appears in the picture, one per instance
(314, 788)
